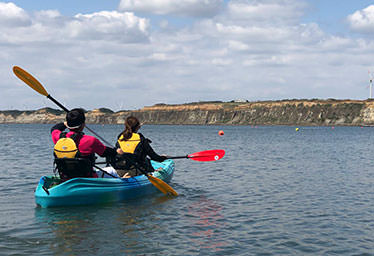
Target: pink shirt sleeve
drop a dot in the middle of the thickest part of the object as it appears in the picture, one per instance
(55, 135)
(98, 147)
(89, 144)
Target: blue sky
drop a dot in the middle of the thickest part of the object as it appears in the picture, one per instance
(331, 14)
(68, 7)
(126, 54)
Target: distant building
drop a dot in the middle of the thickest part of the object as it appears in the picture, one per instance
(239, 101)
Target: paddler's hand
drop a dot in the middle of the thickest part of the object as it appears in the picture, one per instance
(164, 157)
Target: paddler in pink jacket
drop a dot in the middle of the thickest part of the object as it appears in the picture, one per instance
(87, 145)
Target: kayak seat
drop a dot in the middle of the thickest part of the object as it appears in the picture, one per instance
(129, 163)
(69, 168)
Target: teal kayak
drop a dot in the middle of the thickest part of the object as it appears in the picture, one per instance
(83, 191)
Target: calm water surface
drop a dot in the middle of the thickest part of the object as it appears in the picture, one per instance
(276, 192)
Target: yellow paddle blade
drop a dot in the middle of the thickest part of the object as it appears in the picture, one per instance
(29, 80)
(162, 186)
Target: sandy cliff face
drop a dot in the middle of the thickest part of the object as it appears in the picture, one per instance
(27, 117)
(367, 113)
(287, 112)
(291, 112)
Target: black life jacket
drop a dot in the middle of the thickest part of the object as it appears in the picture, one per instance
(68, 161)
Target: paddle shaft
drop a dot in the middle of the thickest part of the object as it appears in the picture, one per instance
(57, 103)
(101, 169)
(177, 157)
(66, 110)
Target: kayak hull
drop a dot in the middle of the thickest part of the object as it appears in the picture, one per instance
(85, 191)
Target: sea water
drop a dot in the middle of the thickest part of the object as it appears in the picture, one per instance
(277, 191)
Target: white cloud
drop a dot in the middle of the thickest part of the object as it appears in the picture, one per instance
(116, 58)
(50, 26)
(221, 62)
(239, 46)
(113, 25)
(48, 14)
(281, 11)
(194, 8)
(362, 20)
(253, 33)
(12, 15)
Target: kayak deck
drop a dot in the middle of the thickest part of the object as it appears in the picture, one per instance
(84, 191)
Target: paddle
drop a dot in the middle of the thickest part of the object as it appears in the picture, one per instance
(203, 156)
(161, 185)
(34, 84)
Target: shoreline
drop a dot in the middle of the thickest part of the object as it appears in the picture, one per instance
(286, 112)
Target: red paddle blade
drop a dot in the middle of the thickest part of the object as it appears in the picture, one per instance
(207, 155)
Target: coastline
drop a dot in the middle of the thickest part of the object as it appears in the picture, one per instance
(314, 112)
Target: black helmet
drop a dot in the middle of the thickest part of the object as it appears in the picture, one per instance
(75, 118)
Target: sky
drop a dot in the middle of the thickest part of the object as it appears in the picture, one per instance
(127, 54)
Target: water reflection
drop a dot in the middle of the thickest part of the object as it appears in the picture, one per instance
(70, 229)
(121, 228)
(207, 224)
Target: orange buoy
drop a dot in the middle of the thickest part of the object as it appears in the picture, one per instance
(220, 133)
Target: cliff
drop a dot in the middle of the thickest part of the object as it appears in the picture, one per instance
(285, 112)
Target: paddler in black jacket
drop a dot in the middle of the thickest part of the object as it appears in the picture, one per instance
(133, 149)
